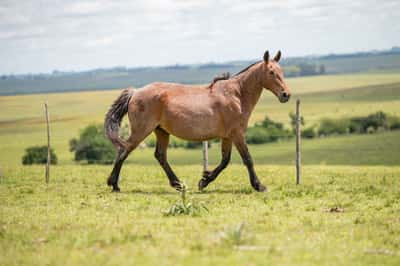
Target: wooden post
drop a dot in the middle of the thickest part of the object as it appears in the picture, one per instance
(48, 143)
(205, 155)
(298, 138)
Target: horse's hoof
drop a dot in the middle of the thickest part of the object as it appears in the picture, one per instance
(116, 189)
(261, 188)
(178, 188)
(177, 185)
(202, 184)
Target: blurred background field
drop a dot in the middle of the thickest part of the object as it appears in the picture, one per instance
(326, 96)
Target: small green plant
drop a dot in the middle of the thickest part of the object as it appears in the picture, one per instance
(186, 206)
(233, 236)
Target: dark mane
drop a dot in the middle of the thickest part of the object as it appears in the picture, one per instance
(245, 69)
(223, 76)
(226, 75)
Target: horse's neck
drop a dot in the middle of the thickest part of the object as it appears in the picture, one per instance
(250, 88)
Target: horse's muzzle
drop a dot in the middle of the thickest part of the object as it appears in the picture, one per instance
(284, 97)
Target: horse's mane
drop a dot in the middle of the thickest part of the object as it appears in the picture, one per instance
(246, 68)
(223, 76)
(227, 75)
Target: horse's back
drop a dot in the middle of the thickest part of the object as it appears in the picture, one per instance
(187, 111)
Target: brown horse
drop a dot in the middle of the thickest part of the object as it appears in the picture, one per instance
(198, 113)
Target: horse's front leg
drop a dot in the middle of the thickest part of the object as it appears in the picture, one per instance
(240, 143)
(208, 177)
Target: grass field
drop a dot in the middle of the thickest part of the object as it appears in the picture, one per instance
(338, 216)
(345, 212)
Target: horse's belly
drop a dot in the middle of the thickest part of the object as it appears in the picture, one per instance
(192, 123)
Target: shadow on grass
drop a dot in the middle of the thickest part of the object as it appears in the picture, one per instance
(172, 192)
(227, 191)
(149, 192)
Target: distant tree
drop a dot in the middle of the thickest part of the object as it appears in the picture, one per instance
(257, 135)
(92, 146)
(330, 126)
(322, 69)
(307, 69)
(372, 122)
(291, 70)
(267, 131)
(308, 133)
(38, 155)
(267, 122)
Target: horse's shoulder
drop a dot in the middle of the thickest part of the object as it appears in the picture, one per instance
(230, 87)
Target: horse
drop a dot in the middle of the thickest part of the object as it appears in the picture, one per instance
(196, 113)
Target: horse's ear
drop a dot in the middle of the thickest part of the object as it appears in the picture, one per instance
(266, 56)
(277, 56)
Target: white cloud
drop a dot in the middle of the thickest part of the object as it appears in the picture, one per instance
(88, 34)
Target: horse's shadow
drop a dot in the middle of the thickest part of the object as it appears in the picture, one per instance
(206, 192)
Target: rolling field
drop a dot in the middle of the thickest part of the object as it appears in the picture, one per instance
(338, 216)
(102, 79)
(22, 117)
(345, 212)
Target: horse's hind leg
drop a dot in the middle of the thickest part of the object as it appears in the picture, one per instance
(114, 176)
(208, 177)
(161, 156)
(133, 141)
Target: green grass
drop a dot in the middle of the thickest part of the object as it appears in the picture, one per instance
(338, 216)
(323, 83)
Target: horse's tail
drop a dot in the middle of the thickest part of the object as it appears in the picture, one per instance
(114, 117)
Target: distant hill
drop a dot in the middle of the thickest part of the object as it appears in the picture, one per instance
(120, 77)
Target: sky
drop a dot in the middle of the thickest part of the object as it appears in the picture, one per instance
(42, 36)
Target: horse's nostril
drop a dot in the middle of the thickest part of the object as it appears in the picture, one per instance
(284, 94)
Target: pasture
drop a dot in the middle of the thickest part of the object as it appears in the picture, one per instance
(340, 215)
(345, 212)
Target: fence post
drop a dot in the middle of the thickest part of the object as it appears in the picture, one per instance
(48, 143)
(205, 155)
(298, 139)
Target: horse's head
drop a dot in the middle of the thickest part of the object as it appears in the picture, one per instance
(272, 77)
